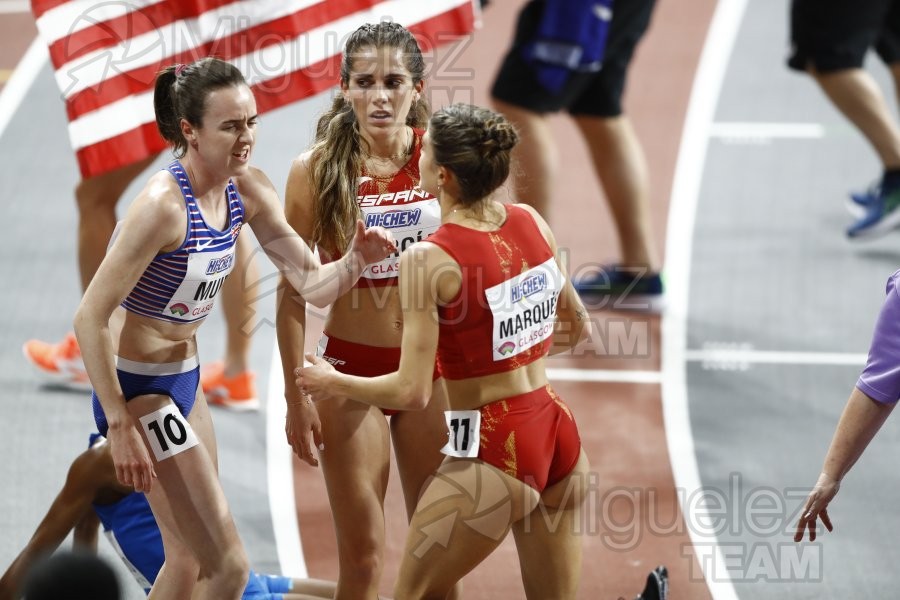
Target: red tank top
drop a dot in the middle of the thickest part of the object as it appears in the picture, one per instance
(396, 203)
(504, 314)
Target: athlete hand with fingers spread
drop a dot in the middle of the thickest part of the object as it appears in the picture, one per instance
(317, 381)
(817, 507)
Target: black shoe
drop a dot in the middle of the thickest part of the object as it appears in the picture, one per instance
(657, 587)
(622, 288)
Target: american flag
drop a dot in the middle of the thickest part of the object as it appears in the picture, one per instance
(106, 55)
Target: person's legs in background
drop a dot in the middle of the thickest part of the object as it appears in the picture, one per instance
(622, 169)
(594, 101)
(855, 93)
(857, 96)
(830, 39)
(535, 161)
(96, 199)
(231, 382)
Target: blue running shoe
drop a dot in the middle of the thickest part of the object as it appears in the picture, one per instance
(622, 288)
(881, 216)
(860, 202)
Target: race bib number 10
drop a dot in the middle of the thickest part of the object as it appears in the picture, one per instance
(464, 433)
(168, 432)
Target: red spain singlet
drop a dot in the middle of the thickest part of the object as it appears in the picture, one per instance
(396, 203)
(504, 314)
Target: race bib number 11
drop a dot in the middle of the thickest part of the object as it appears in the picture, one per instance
(464, 433)
(168, 432)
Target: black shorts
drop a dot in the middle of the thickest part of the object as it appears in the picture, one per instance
(594, 94)
(834, 35)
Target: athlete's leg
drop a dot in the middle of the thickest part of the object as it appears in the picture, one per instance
(418, 437)
(356, 463)
(188, 502)
(97, 198)
(622, 169)
(548, 539)
(535, 159)
(180, 571)
(464, 514)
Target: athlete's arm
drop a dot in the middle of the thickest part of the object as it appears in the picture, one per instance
(572, 323)
(302, 425)
(72, 503)
(319, 284)
(408, 388)
(155, 222)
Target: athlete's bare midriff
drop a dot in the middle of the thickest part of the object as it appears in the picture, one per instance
(148, 340)
(370, 316)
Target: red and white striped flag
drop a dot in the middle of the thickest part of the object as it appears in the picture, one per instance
(107, 53)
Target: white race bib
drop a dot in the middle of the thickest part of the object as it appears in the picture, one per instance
(206, 273)
(524, 309)
(464, 431)
(410, 216)
(168, 432)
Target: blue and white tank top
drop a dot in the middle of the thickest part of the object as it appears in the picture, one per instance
(181, 286)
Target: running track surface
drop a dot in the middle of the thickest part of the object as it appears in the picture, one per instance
(765, 419)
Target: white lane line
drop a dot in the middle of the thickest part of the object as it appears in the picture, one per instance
(679, 244)
(9, 7)
(280, 473)
(766, 131)
(20, 82)
(771, 357)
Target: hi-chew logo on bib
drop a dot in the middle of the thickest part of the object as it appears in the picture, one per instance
(408, 224)
(524, 309)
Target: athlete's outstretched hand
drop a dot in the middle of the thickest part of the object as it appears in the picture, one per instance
(817, 507)
(373, 244)
(316, 380)
(131, 458)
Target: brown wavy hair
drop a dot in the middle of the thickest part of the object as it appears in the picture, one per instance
(336, 158)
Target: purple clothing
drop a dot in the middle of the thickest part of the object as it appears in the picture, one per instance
(880, 380)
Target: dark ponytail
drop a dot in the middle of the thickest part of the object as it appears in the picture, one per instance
(181, 92)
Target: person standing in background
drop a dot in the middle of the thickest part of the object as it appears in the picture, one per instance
(829, 40)
(573, 55)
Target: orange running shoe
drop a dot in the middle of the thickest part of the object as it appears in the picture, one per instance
(237, 393)
(60, 361)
